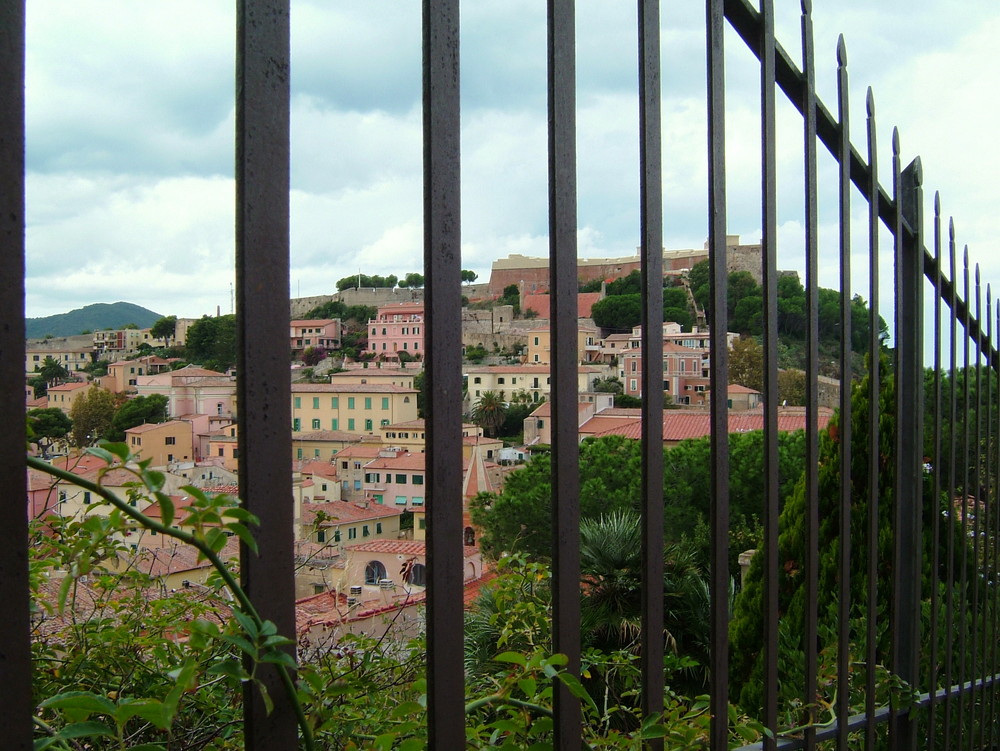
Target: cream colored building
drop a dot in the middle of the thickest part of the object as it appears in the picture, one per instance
(402, 377)
(64, 395)
(588, 344)
(511, 380)
(361, 409)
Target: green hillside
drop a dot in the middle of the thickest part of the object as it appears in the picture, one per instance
(91, 317)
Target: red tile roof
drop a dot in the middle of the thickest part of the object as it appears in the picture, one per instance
(340, 512)
(679, 425)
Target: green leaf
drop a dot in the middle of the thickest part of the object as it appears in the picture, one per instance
(576, 688)
(120, 450)
(514, 657)
(406, 708)
(528, 686)
(84, 701)
(412, 744)
(280, 658)
(154, 479)
(241, 514)
(100, 453)
(166, 508)
(265, 697)
(231, 668)
(152, 711)
(247, 623)
(244, 534)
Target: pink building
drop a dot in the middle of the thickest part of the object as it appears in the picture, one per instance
(682, 373)
(323, 333)
(399, 327)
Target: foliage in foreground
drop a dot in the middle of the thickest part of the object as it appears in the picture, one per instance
(121, 663)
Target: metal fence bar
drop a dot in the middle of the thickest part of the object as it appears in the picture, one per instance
(977, 498)
(990, 490)
(874, 389)
(964, 562)
(936, 453)
(263, 378)
(769, 272)
(909, 438)
(949, 664)
(15, 648)
(443, 368)
(565, 447)
(651, 217)
(846, 485)
(718, 322)
(812, 375)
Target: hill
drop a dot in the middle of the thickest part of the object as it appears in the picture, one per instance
(91, 317)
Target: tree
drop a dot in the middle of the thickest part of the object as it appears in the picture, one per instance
(746, 363)
(92, 415)
(313, 356)
(137, 411)
(48, 425)
(469, 276)
(413, 281)
(164, 329)
(609, 385)
(52, 371)
(618, 312)
(211, 342)
(489, 412)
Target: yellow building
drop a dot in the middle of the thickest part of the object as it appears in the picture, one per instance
(64, 395)
(511, 380)
(588, 344)
(322, 444)
(402, 377)
(162, 443)
(224, 444)
(361, 409)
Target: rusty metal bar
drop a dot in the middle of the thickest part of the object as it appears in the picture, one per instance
(15, 648)
(565, 445)
(719, 372)
(651, 217)
(263, 378)
(769, 271)
(844, 610)
(909, 441)
(812, 377)
(443, 368)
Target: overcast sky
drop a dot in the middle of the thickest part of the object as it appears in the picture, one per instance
(130, 137)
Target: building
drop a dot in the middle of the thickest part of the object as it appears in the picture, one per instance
(540, 344)
(320, 333)
(162, 443)
(360, 409)
(398, 327)
(530, 381)
(74, 359)
(192, 390)
(64, 395)
(401, 377)
(322, 444)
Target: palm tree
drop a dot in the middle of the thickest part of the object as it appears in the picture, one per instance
(490, 412)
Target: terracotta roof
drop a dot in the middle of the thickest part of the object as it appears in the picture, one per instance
(71, 386)
(344, 511)
(403, 547)
(329, 435)
(148, 426)
(321, 468)
(679, 425)
(405, 460)
(735, 388)
(360, 451)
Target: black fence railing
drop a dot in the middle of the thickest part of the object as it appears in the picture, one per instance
(912, 567)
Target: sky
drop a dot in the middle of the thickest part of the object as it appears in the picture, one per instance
(130, 122)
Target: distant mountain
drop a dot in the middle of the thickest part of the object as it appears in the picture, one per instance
(91, 317)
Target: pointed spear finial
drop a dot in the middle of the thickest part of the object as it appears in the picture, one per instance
(841, 51)
(870, 102)
(977, 275)
(806, 7)
(937, 203)
(951, 228)
(965, 257)
(895, 141)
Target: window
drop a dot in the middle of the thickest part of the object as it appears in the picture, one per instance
(379, 499)
(418, 500)
(315, 423)
(336, 535)
(378, 528)
(536, 341)
(222, 451)
(418, 479)
(422, 524)
(298, 402)
(315, 402)
(537, 359)
(400, 500)
(374, 572)
(477, 379)
(86, 496)
(383, 423)
(357, 484)
(350, 424)
(368, 425)
(368, 402)
(417, 575)
(321, 536)
(633, 384)
(365, 532)
(335, 402)
(170, 440)
(298, 453)
(343, 465)
(352, 533)
(350, 402)
(385, 402)
(296, 424)
(334, 423)
(316, 455)
(501, 380)
(400, 479)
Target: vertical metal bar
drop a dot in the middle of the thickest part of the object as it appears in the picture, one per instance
(874, 453)
(15, 648)
(769, 271)
(846, 486)
(976, 501)
(263, 378)
(964, 561)
(994, 560)
(443, 368)
(949, 661)
(565, 445)
(812, 374)
(909, 435)
(651, 199)
(719, 488)
(987, 528)
(936, 459)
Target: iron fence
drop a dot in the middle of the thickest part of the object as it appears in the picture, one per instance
(942, 439)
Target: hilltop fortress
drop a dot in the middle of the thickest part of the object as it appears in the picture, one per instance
(533, 273)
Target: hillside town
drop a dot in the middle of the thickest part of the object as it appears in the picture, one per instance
(357, 434)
